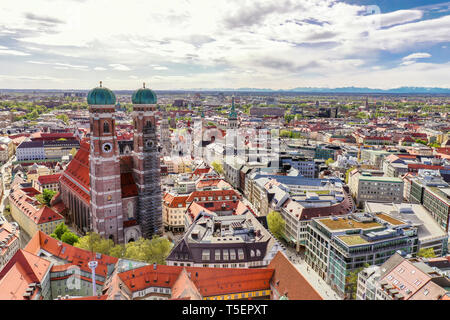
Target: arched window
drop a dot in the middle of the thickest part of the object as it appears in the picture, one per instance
(252, 253)
(148, 124)
(258, 252)
(105, 127)
(130, 210)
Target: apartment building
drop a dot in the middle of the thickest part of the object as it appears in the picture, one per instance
(376, 189)
(30, 150)
(233, 241)
(402, 279)
(9, 240)
(30, 214)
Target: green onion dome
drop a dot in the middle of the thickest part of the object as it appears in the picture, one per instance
(144, 96)
(101, 96)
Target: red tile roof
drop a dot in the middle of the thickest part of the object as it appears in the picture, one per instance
(51, 178)
(76, 175)
(45, 214)
(209, 281)
(223, 281)
(23, 269)
(172, 201)
(141, 278)
(212, 193)
(31, 208)
(71, 254)
(288, 280)
(417, 166)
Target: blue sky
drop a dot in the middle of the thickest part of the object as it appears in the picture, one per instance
(182, 44)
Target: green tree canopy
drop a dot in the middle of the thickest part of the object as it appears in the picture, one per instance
(155, 250)
(46, 197)
(63, 233)
(69, 237)
(276, 224)
(60, 230)
(94, 242)
(217, 167)
(63, 117)
(426, 253)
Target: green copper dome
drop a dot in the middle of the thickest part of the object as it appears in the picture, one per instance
(101, 96)
(144, 96)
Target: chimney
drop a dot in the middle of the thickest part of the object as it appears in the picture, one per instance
(154, 266)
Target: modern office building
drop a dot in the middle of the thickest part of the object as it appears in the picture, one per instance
(430, 233)
(338, 245)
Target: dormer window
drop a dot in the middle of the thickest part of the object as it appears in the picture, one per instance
(105, 127)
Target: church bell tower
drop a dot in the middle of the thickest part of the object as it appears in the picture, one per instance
(106, 199)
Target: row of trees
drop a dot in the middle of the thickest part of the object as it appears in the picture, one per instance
(153, 250)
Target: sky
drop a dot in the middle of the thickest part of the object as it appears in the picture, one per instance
(189, 44)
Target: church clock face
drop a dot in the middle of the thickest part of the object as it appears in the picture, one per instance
(107, 147)
(149, 143)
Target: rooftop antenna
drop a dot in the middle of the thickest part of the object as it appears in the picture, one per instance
(92, 265)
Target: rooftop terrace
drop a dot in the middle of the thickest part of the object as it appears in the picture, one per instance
(353, 240)
(341, 223)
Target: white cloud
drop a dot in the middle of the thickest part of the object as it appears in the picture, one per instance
(418, 55)
(9, 52)
(160, 68)
(119, 67)
(279, 42)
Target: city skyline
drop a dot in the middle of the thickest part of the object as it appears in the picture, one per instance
(54, 44)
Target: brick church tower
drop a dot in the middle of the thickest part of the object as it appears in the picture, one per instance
(105, 190)
(146, 163)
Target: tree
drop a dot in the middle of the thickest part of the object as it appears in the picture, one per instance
(95, 243)
(117, 251)
(426, 253)
(155, 250)
(7, 211)
(329, 161)
(63, 233)
(69, 238)
(352, 280)
(60, 230)
(46, 197)
(289, 117)
(434, 145)
(421, 141)
(63, 117)
(152, 251)
(276, 224)
(217, 167)
(73, 152)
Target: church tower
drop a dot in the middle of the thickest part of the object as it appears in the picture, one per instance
(165, 135)
(106, 198)
(146, 164)
(232, 116)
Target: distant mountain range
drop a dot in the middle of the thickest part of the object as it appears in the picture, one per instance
(341, 90)
(400, 90)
